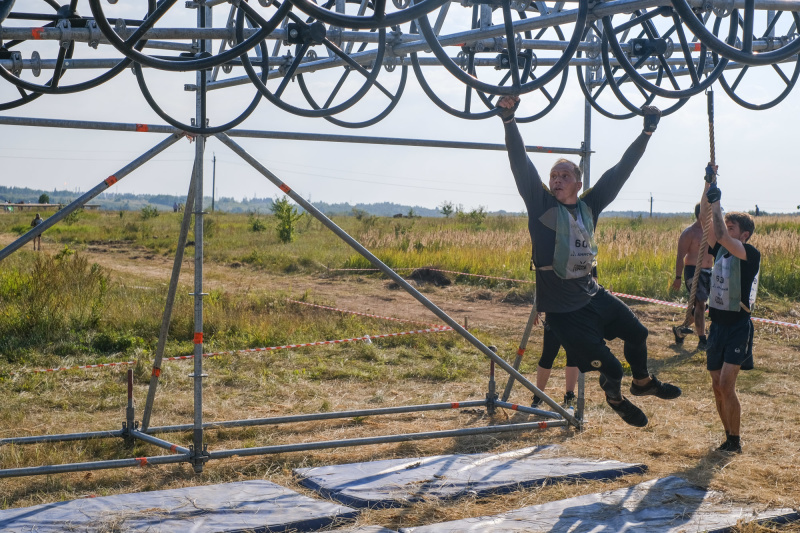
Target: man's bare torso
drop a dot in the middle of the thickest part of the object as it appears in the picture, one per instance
(694, 235)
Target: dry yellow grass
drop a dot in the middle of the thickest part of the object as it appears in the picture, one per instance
(678, 441)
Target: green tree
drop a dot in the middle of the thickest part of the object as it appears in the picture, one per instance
(287, 217)
(44, 198)
(447, 208)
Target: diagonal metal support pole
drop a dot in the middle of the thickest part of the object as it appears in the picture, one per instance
(521, 351)
(167, 316)
(95, 191)
(316, 213)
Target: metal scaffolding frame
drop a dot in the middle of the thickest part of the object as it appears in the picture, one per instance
(651, 55)
(197, 454)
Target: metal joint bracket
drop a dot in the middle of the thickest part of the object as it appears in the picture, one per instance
(65, 29)
(36, 64)
(94, 33)
(16, 63)
(721, 8)
(195, 375)
(121, 28)
(287, 62)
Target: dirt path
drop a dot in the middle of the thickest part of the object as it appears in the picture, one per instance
(479, 307)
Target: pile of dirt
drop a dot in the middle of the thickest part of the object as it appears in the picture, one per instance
(429, 275)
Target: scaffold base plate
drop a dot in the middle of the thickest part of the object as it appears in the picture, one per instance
(396, 482)
(666, 505)
(251, 506)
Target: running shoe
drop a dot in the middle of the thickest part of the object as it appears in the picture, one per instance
(569, 399)
(680, 333)
(537, 402)
(656, 388)
(730, 447)
(631, 414)
(702, 345)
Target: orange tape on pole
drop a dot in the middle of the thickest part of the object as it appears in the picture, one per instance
(285, 188)
(142, 128)
(156, 372)
(198, 338)
(36, 33)
(111, 180)
(454, 405)
(521, 352)
(142, 461)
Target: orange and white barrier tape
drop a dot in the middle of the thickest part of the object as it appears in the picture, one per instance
(365, 338)
(82, 367)
(683, 306)
(619, 294)
(363, 314)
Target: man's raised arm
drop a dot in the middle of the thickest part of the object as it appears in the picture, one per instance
(612, 180)
(529, 184)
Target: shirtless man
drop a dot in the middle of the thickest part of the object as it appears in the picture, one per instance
(685, 265)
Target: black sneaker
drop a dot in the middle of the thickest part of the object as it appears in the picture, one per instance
(656, 388)
(537, 402)
(569, 399)
(629, 413)
(680, 333)
(730, 446)
(702, 344)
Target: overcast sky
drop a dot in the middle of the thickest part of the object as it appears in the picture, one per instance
(754, 149)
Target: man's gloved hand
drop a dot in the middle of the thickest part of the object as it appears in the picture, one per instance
(507, 106)
(713, 194)
(651, 114)
(711, 172)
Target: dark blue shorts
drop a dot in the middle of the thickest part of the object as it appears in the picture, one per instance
(703, 282)
(732, 344)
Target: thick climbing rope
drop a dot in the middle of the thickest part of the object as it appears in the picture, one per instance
(706, 222)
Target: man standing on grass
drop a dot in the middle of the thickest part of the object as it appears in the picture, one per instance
(685, 265)
(578, 310)
(734, 283)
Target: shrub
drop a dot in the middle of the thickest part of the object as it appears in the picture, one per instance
(287, 216)
(149, 212)
(254, 223)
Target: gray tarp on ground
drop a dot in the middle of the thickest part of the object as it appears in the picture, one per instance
(667, 505)
(228, 507)
(396, 482)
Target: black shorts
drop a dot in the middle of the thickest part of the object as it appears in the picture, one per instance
(703, 283)
(731, 343)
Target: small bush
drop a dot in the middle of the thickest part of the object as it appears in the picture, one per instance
(287, 217)
(255, 224)
(149, 212)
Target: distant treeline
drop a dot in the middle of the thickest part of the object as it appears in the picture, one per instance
(164, 202)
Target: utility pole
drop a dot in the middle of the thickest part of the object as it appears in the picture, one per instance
(213, 179)
(651, 205)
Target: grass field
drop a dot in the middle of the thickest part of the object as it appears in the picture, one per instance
(96, 294)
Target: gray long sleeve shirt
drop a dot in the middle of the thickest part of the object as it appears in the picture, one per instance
(554, 294)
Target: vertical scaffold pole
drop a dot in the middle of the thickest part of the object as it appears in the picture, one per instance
(198, 451)
(171, 292)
